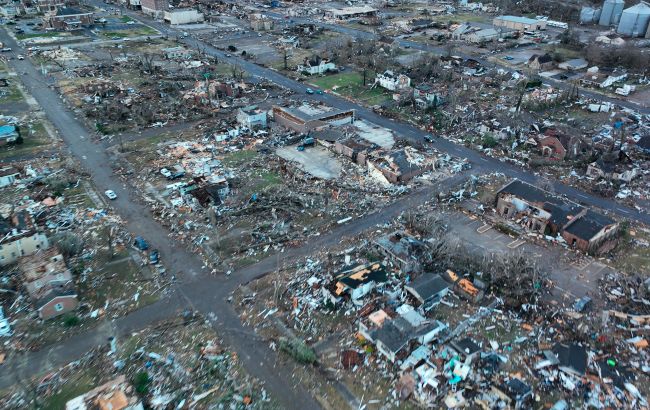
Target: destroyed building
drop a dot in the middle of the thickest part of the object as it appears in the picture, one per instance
(116, 394)
(402, 249)
(560, 145)
(49, 283)
(305, 118)
(548, 214)
(400, 166)
(20, 237)
(356, 283)
(8, 175)
(251, 117)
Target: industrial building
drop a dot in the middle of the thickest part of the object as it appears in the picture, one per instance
(183, 16)
(519, 23)
(634, 20)
(611, 12)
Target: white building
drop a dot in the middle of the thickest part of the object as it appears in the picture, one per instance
(316, 66)
(8, 175)
(251, 116)
(183, 16)
(16, 245)
(392, 82)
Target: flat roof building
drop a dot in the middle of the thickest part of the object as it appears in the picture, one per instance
(519, 23)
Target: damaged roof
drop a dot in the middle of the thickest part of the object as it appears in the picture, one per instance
(362, 274)
(427, 286)
(588, 225)
(572, 358)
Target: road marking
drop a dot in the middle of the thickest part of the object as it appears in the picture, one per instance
(583, 196)
(484, 228)
(516, 243)
(623, 210)
(483, 159)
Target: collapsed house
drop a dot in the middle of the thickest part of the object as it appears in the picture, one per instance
(356, 283)
(305, 117)
(19, 237)
(393, 336)
(400, 166)
(8, 175)
(548, 214)
(402, 249)
(117, 394)
(49, 283)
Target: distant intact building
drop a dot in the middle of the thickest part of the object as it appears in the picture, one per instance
(69, 18)
(519, 23)
(183, 16)
(635, 20)
(390, 81)
(154, 8)
(316, 65)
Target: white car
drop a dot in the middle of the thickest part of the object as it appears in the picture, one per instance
(166, 173)
(20, 57)
(111, 194)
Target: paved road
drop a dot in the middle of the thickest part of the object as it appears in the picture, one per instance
(481, 163)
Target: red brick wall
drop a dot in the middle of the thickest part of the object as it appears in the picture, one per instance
(69, 303)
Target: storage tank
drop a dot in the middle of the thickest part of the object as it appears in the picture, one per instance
(612, 10)
(589, 15)
(634, 20)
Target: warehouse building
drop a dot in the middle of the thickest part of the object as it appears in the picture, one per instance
(519, 23)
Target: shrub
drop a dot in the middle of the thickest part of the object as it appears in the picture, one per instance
(299, 350)
(141, 382)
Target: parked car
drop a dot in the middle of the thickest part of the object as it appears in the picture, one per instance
(582, 304)
(319, 92)
(140, 243)
(310, 91)
(110, 194)
(166, 173)
(6, 49)
(154, 256)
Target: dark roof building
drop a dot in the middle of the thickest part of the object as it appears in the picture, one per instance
(573, 358)
(428, 288)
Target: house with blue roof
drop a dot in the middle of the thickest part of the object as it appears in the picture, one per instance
(8, 133)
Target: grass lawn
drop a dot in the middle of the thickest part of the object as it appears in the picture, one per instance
(461, 17)
(10, 94)
(134, 32)
(25, 36)
(350, 85)
(85, 382)
(635, 259)
(126, 19)
(34, 138)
